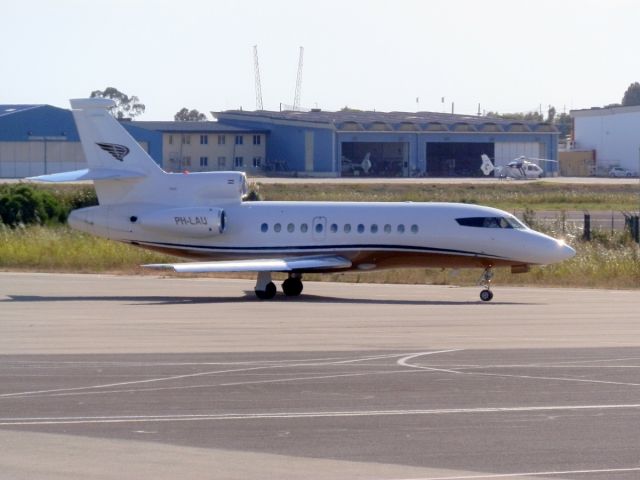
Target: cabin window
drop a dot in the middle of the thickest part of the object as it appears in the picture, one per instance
(360, 228)
(414, 228)
(264, 228)
(347, 228)
(304, 227)
(387, 228)
(374, 228)
(291, 228)
(400, 228)
(277, 227)
(334, 228)
(319, 227)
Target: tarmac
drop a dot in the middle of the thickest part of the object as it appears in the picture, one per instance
(118, 377)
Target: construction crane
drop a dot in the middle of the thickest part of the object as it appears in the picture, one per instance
(296, 98)
(256, 68)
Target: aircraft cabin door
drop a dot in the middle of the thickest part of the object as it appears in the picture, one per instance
(319, 231)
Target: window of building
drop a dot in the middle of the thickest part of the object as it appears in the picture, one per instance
(257, 162)
(304, 227)
(222, 162)
(186, 139)
(222, 139)
(264, 228)
(204, 139)
(204, 161)
(256, 139)
(186, 161)
(239, 139)
(239, 162)
(170, 139)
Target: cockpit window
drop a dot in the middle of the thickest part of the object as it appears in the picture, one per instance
(491, 222)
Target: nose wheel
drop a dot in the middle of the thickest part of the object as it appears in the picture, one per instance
(485, 280)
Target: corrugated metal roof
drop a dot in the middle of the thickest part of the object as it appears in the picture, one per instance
(368, 120)
(194, 127)
(10, 109)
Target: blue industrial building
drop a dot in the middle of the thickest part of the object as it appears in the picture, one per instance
(40, 139)
(396, 144)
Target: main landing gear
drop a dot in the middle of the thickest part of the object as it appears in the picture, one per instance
(485, 280)
(265, 289)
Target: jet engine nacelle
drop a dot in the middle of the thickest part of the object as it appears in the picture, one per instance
(194, 222)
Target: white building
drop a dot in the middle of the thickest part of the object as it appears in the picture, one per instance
(613, 133)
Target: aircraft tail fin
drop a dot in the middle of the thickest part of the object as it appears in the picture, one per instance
(487, 165)
(118, 165)
(106, 144)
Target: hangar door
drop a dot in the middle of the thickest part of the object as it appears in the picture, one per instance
(456, 159)
(387, 159)
(508, 151)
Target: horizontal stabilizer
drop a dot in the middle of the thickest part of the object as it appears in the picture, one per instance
(88, 174)
(259, 265)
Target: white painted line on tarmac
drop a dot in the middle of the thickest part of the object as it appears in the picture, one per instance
(297, 415)
(294, 364)
(530, 474)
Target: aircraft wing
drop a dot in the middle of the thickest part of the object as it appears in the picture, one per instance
(259, 265)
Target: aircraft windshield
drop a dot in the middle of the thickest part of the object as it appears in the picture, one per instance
(492, 222)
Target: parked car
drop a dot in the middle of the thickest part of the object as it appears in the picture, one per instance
(619, 172)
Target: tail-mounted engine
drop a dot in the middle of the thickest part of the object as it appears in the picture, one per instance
(195, 222)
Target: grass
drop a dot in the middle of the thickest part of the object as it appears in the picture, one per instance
(507, 195)
(610, 261)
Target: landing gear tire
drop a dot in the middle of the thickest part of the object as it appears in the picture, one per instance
(486, 295)
(292, 287)
(485, 280)
(268, 293)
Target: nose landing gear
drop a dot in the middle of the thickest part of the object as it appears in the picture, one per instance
(485, 280)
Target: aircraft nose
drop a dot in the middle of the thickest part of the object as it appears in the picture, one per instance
(565, 252)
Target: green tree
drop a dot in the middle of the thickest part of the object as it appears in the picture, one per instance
(521, 116)
(126, 106)
(186, 115)
(632, 95)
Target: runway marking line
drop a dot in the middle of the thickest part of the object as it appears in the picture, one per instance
(405, 363)
(297, 415)
(296, 363)
(530, 474)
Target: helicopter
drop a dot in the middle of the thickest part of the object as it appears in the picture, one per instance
(521, 168)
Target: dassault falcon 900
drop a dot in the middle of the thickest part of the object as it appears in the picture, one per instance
(202, 217)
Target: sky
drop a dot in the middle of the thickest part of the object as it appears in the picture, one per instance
(401, 55)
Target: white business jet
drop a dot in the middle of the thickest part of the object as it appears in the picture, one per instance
(202, 217)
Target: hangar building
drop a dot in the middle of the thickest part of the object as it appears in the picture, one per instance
(612, 133)
(396, 144)
(42, 139)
